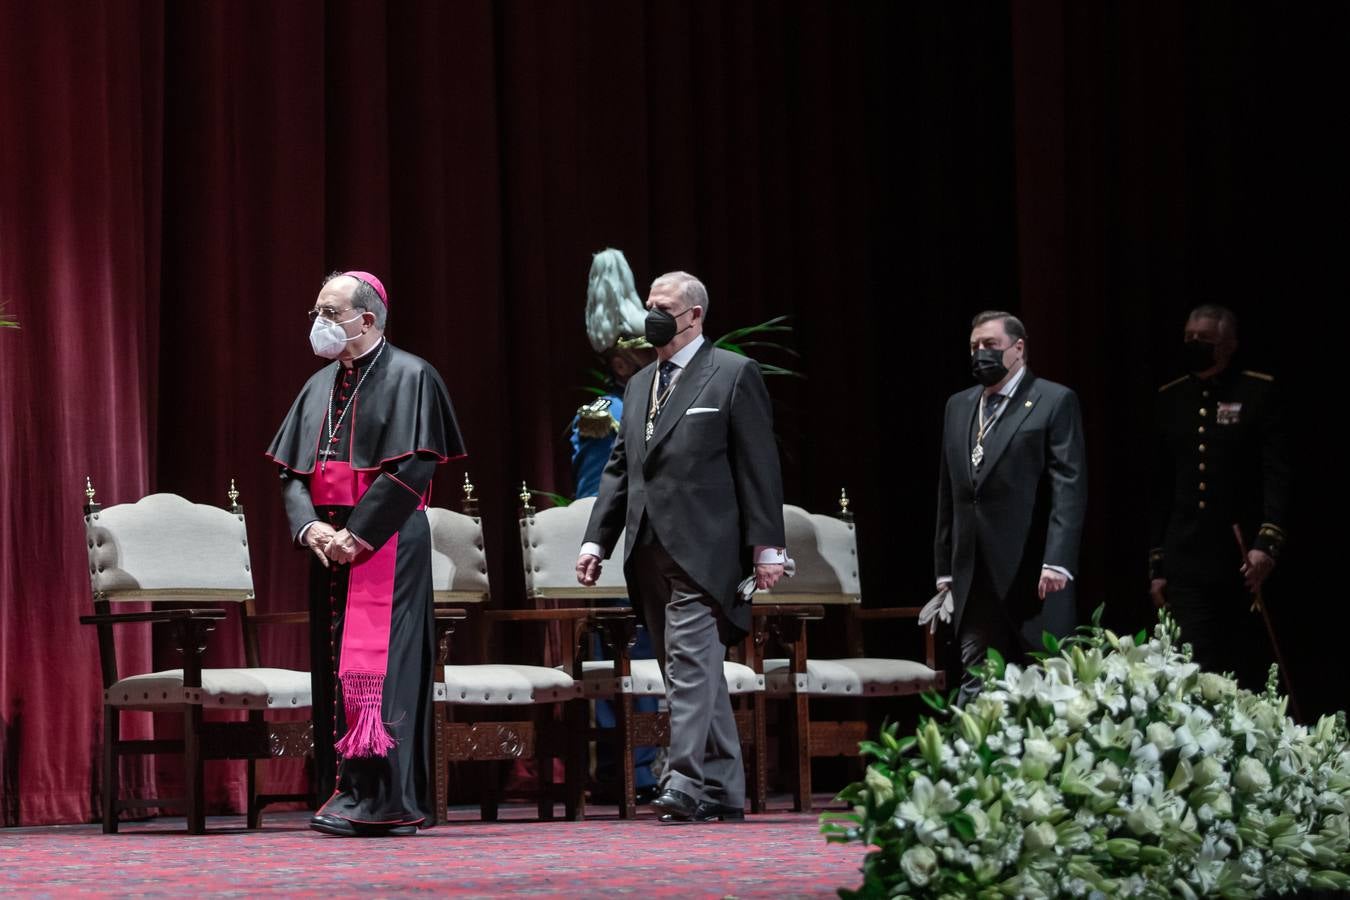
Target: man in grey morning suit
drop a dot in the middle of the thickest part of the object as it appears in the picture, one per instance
(694, 479)
(1012, 491)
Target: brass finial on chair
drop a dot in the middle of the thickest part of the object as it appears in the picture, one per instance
(470, 504)
(233, 494)
(526, 507)
(90, 507)
(844, 512)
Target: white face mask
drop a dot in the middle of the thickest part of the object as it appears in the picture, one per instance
(327, 337)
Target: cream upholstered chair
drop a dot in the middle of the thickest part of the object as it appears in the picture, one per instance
(550, 540)
(826, 552)
(165, 550)
(463, 692)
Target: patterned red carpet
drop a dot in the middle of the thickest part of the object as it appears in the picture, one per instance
(779, 854)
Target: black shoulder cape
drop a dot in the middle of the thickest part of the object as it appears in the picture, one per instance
(401, 409)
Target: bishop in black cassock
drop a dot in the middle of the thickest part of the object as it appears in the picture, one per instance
(356, 453)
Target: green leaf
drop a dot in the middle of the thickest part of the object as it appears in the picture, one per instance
(1141, 637)
(1050, 642)
(873, 749)
(996, 661)
(770, 369)
(555, 499)
(1097, 615)
(772, 325)
(782, 348)
(963, 825)
(934, 700)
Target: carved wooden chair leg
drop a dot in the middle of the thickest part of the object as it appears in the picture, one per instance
(111, 767)
(490, 796)
(577, 749)
(543, 739)
(801, 714)
(623, 736)
(440, 790)
(759, 785)
(254, 807)
(194, 765)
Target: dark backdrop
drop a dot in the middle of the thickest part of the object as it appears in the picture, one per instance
(176, 178)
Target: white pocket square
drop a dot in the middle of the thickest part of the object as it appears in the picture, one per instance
(699, 410)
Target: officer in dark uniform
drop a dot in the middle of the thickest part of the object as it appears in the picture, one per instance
(1220, 492)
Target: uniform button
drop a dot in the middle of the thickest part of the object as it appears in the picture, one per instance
(1204, 393)
(1203, 411)
(1201, 429)
(1202, 467)
(1202, 504)
(1202, 485)
(1202, 448)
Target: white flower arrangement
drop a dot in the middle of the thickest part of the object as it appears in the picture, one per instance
(1112, 767)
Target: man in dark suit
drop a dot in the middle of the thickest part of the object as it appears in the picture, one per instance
(1220, 498)
(1012, 491)
(694, 478)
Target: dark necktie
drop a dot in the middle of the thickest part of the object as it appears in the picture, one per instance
(667, 374)
(979, 435)
(991, 405)
(668, 370)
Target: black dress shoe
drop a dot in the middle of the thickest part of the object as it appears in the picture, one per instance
(334, 825)
(706, 812)
(674, 804)
(340, 827)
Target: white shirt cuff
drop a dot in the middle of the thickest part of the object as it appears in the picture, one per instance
(944, 580)
(591, 548)
(770, 556)
(1061, 570)
(356, 537)
(300, 535)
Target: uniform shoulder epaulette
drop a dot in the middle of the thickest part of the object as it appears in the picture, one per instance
(1261, 375)
(594, 420)
(1172, 384)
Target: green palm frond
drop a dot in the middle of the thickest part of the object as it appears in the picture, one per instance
(782, 348)
(774, 324)
(555, 499)
(7, 321)
(770, 369)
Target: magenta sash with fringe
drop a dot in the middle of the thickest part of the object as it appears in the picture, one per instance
(365, 631)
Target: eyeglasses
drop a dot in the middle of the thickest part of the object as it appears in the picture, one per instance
(327, 312)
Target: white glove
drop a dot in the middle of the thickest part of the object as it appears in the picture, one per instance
(747, 587)
(939, 609)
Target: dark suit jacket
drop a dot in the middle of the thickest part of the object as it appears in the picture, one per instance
(1024, 508)
(708, 483)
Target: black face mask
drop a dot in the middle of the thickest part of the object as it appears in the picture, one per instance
(986, 365)
(660, 327)
(1199, 356)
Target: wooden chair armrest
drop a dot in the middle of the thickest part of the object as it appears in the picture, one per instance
(790, 610)
(905, 612)
(296, 617)
(564, 614)
(896, 612)
(451, 614)
(161, 615)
